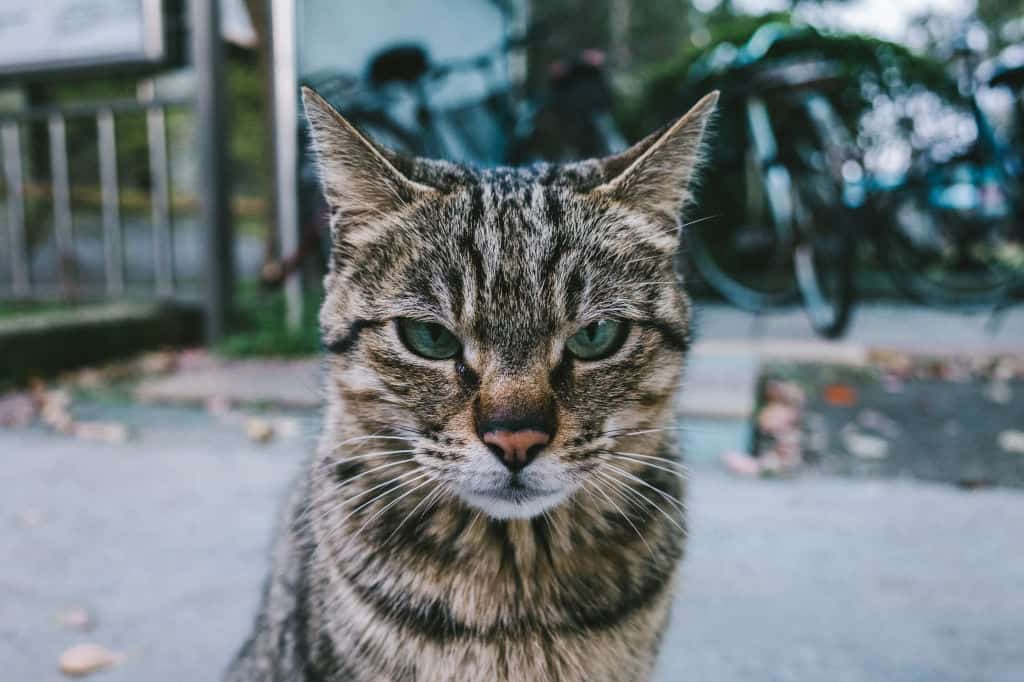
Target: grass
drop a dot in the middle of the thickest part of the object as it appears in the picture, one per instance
(261, 329)
(16, 308)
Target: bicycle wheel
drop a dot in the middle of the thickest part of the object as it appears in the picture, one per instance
(825, 247)
(823, 256)
(947, 260)
(739, 247)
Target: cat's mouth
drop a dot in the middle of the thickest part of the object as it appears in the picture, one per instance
(515, 498)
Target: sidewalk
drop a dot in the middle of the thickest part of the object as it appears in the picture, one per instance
(164, 541)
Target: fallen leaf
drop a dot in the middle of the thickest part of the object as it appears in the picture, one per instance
(741, 464)
(776, 417)
(259, 430)
(75, 619)
(101, 432)
(85, 659)
(1011, 441)
(863, 445)
(840, 395)
(218, 405)
(876, 421)
(17, 410)
(999, 392)
(31, 518)
(785, 392)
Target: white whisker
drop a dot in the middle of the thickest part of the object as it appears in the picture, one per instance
(620, 456)
(636, 478)
(647, 500)
(626, 517)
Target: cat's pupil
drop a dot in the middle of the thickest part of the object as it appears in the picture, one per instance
(591, 330)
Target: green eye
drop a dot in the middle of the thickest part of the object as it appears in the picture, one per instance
(428, 339)
(598, 340)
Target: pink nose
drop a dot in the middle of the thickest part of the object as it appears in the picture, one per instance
(516, 449)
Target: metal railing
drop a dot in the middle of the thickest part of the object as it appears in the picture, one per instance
(21, 284)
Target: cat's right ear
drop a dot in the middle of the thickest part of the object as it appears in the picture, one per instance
(356, 177)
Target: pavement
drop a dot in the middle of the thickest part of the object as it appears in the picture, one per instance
(163, 538)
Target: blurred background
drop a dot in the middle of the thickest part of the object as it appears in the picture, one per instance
(856, 250)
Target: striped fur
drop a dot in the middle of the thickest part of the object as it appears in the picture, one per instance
(388, 566)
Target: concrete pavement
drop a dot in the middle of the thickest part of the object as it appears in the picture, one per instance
(163, 539)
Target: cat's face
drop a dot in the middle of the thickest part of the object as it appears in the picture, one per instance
(508, 326)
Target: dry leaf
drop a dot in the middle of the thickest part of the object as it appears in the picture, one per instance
(1011, 441)
(840, 395)
(101, 432)
(159, 362)
(75, 619)
(84, 659)
(259, 430)
(863, 445)
(17, 410)
(775, 418)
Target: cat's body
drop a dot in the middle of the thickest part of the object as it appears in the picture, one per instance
(496, 495)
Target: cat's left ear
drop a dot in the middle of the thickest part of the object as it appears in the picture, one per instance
(655, 175)
(356, 176)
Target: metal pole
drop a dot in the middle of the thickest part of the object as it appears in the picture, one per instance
(21, 285)
(214, 174)
(62, 221)
(160, 192)
(286, 163)
(111, 204)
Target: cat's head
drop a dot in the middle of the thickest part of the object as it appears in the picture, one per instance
(509, 326)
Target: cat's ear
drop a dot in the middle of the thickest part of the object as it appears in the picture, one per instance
(655, 174)
(356, 176)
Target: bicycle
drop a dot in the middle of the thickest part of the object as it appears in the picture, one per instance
(394, 105)
(938, 225)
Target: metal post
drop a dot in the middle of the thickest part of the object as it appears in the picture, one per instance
(110, 198)
(286, 185)
(62, 222)
(214, 176)
(160, 193)
(15, 209)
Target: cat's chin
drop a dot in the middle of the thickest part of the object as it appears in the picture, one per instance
(514, 503)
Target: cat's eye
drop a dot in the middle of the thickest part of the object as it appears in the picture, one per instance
(598, 340)
(428, 339)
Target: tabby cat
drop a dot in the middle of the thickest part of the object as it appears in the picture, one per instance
(496, 494)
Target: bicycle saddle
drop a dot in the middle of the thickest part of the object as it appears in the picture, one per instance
(1010, 76)
(405, 63)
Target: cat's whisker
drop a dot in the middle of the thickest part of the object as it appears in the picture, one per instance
(625, 517)
(646, 499)
(621, 434)
(334, 491)
(634, 477)
(435, 494)
(369, 455)
(341, 523)
(674, 472)
(391, 504)
(371, 470)
(641, 284)
(695, 221)
(362, 439)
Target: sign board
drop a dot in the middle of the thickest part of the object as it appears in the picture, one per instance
(47, 36)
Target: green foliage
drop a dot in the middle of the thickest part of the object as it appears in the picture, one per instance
(670, 87)
(261, 325)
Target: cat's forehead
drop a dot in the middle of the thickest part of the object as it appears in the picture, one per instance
(515, 255)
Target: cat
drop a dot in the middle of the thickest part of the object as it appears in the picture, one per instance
(496, 494)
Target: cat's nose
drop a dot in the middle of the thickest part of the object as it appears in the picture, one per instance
(515, 449)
